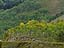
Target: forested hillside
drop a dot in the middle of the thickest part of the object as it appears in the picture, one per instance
(37, 30)
(39, 20)
(12, 12)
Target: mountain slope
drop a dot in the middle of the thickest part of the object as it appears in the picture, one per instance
(29, 10)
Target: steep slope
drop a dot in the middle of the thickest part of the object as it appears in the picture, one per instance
(30, 10)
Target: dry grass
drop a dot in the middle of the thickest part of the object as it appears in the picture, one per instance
(32, 44)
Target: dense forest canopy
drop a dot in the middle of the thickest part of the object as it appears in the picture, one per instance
(7, 4)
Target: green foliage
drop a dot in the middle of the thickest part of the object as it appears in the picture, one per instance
(7, 4)
(35, 18)
(35, 29)
(12, 12)
(24, 12)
